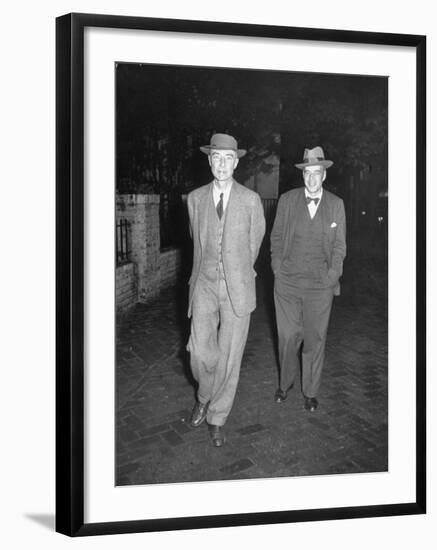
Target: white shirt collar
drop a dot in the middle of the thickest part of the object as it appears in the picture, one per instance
(216, 194)
(312, 206)
(317, 196)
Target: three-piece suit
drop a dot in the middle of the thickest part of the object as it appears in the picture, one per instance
(222, 291)
(307, 262)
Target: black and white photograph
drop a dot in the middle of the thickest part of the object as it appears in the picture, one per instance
(218, 275)
(218, 300)
(240, 275)
(251, 274)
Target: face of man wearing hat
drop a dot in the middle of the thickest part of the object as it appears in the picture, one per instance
(313, 177)
(223, 163)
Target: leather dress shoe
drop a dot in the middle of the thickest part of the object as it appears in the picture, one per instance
(217, 435)
(199, 414)
(280, 395)
(310, 403)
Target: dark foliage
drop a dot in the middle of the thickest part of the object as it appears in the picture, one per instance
(165, 113)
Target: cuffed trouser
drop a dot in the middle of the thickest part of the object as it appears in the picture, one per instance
(302, 315)
(216, 346)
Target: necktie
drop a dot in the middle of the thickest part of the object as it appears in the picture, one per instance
(309, 199)
(219, 207)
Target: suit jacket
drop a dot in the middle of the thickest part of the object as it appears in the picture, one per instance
(332, 211)
(243, 233)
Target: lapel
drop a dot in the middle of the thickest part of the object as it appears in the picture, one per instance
(324, 212)
(298, 206)
(231, 213)
(203, 212)
(325, 217)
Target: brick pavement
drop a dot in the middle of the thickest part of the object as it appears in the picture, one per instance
(155, 393)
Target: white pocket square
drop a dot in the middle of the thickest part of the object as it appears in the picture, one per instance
(333, 224)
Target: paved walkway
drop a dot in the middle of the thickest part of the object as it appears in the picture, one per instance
(347, 433)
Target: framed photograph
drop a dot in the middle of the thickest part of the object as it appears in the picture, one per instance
(190, 393)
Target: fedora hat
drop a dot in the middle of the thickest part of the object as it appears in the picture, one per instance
(314, 157)
(223, 141)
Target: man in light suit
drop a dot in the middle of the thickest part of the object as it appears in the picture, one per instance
(308, 246)
(227, 227)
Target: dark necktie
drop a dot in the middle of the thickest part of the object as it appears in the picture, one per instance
(219, 207)
(309, 199)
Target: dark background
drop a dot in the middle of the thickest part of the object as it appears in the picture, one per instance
(164, 113)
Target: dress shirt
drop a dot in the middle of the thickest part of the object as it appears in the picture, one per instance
(216, 195)
(312, 206)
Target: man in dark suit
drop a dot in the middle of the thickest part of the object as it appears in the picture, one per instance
(227, 226)
(308, 246)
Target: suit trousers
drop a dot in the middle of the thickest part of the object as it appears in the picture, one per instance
(302, 316)
(216, 346)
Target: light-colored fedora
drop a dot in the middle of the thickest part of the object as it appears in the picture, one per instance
(314, 157)
(223, 141)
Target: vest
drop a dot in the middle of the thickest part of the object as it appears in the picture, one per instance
(212, 265)
(306, 264)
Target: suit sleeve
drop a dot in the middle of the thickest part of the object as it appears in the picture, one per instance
(257, 228)
(339, 249)
(276, 236)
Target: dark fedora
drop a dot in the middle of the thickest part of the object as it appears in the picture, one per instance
(223, 141)
(314, 157)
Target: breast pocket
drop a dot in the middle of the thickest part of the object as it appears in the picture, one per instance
(332, 232)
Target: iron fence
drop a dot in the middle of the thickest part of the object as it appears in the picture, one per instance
(122, 241)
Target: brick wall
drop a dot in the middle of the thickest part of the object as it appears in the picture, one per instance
(169, 267)
(142, 211)
(149, 270)
(125, 287)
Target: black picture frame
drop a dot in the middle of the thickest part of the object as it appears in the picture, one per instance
(70, 487)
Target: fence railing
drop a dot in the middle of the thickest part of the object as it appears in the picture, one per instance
(122, 241)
